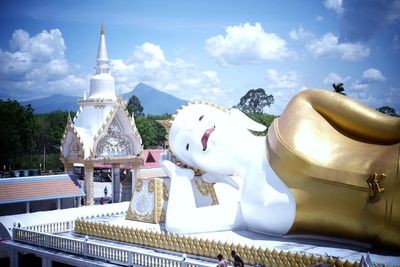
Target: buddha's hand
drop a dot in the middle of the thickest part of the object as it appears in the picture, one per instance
(174, 171)
(219, 178)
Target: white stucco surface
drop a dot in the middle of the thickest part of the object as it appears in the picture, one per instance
(44, 217)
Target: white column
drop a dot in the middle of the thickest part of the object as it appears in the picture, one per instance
(46, 262)
(135, 174)
(116, 184)
(89, 184)
(14, 258)
(27, 207)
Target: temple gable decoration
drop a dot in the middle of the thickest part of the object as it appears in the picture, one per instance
(118, 137)
(72, 145)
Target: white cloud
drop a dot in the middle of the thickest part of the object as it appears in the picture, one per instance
(36, 67)
(391, 98)
(375, 97)
(285, 81)
(283, 87)
(300, 34)
(335, 5)
(393, 11)
(319, 18)
(178, 77)
(335, 78)
(396, 41)
(358, 85)
(361, 89)
(246, 44)
(328, 46)
(373, 75)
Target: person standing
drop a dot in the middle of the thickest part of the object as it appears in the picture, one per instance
(222, 262)
(105, 191)
(237, 261)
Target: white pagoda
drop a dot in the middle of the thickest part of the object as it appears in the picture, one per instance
(102, 131)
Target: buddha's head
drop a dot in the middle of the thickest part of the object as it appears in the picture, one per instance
(210, 138)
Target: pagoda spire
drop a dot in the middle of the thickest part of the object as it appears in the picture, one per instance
(102, 55)
(102, 84)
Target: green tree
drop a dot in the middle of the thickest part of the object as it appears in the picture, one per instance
(338, 88)
(50, 129)
(387, 110)
(254, 101)
(153, 134)
(134, 106)
(264, 119)
(16, 135)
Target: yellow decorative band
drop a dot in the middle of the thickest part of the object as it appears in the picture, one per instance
(205, 248)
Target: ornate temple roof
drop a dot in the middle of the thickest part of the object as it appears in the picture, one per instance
(101, 127)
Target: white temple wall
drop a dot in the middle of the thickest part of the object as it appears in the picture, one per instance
(92, 119)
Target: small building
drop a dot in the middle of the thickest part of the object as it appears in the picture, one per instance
(39, 193)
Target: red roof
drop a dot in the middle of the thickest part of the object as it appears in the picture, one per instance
(152, 158)
(38, 188)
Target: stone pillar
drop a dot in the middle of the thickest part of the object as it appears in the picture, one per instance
(58, 203)
(46, 262)
(116, 184)
(27, 207)
(88, 185)
(135, 173)
(14, 258)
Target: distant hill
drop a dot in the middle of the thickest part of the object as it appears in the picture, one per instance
(152, 100)
(53, 103)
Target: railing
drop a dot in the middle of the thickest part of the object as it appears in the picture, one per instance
(124, 256)
(52, 227)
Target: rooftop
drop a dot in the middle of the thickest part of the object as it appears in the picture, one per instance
(39, 188)
(152, 158)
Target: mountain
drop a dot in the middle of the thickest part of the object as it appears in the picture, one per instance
(53, 103)
(152, 100)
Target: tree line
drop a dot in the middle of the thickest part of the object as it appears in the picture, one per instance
(32, 141)
(26, 139)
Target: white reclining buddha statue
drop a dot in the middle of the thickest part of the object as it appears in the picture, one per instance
(329, 166)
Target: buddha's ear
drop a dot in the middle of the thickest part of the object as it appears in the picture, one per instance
(239, 117)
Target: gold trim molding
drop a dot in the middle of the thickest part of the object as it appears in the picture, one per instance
(204, 247)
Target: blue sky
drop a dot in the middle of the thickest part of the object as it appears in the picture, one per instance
(204, 50)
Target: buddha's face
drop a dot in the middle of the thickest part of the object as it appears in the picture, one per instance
(208, 138)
